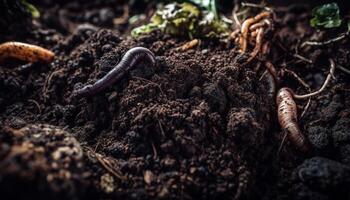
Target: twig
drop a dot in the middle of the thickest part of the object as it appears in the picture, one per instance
(306, 108)
(47, 83)
(253, 5)
(302, 58)
(308, 88)
(296, 55)
(329, 77)
(106, 164)
(161, 128)
(151, 82)
(282, 142)
(36, 104)
(264, 74)
(343, 69)
(314, 43)
(155, 154)
(235, 15)
(301, 81)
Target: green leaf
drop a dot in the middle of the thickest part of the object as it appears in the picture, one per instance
(174, 19)
(184, 19)
(326, 16)
(32, 9)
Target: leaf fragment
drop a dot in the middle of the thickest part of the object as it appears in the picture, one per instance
(326, 16)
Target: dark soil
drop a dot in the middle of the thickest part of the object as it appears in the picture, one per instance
(198, 125)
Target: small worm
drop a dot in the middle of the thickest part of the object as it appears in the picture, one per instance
(288, 118)
(131, 57)
(260, 25)
(246, 25)
(25, 52)
(258, 44)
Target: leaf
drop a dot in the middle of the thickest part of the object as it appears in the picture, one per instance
(211, 27)
(174, 19)
(184, 19)
(326, 16)
(209, 5)
(32, 9)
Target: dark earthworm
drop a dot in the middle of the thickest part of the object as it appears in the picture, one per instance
(288, 118)
(271, 78)
(25, 52)
(272, 84)
(131, 57)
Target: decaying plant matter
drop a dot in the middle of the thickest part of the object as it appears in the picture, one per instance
(25, 52)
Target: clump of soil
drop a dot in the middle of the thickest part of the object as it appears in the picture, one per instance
(41, 161)
(197, 125)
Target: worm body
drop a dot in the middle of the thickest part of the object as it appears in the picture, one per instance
(246, 26)
(25, 52)
(288, 118)
(272, 84)
(131, 57)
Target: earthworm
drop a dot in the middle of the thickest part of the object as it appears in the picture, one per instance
(246, 25)
(258, 44)
(260, 24)
(288, 118)
(25, 52)
(272, 78)
(272, 84)
(131, 57)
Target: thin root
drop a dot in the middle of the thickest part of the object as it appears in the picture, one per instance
(253, 5)
(107, 165)
(326, 82)
(305, 85)
(343, 69)
(318, 44)
(36, 104)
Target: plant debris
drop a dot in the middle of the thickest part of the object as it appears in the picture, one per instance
(184, 19)
(326, 16)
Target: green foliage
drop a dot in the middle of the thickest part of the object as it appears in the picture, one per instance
(175, 19)
(209, 5)
(326, 16)
(183, 19)
(32, 9)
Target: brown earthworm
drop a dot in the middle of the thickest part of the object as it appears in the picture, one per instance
(131, 57)
(25, 52)
(246, 25)
(288, 118)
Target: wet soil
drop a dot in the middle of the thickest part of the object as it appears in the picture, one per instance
(198, 125)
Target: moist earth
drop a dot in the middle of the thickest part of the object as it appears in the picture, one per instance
(198, 125)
